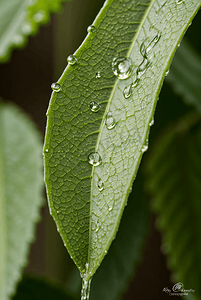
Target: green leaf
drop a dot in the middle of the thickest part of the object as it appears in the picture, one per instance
(185, 75)
(36, 288)
(119, 264)
(91, 122)
(174, 168)
(20, 18)
(21, 183)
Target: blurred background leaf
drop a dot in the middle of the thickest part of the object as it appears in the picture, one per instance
(19, 19)
(174, 168)
(21, 187)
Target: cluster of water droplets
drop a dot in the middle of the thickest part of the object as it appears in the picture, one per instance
(145, 50)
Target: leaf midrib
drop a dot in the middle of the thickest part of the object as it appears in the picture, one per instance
(106, 111)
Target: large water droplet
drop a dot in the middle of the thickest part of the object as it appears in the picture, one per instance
(109, 121)
(98, 75)
(94, 106)
(71, 59)
(94, 159)
(91, 28)
(122, 67)
(56, 87)
(100, 184)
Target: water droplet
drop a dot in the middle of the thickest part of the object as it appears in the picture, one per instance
(142, 67)
(144, 148)
(109, 121)
(94, 106)
(122, 67)
(71, 59)
(98, 75)
(27, 28)
(167, 72)
(46, 150)
(100, 184)
(105, 251)
(127, 92)
(180, 1)
(94, 159)
(110, 207)
(91, 28)
(151, 122)
(56, 87)
(39, 16)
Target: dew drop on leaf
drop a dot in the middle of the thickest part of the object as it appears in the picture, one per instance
(100, 184)
(98, 75)
(144, 148)
(94, 106)
(122, 67)
(56, 87)
(39, 16)
(151, 122)
(94, 159)
(127, 92)
(26, 28)
(46, 150)
(167, 72)
(91, 28)
(109, 121)
(71, 59)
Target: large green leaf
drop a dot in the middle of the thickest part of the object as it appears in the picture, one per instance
(185, 75)
(21, 182)
(174, 168)
(98, 125)
(20, 18)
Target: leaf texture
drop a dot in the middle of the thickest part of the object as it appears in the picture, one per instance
(185, 75)
(119, 264)
(21, 187)
(20, 18)
(91, 122)
(174, 168)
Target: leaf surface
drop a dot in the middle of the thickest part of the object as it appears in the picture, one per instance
(21, 183)
(95, 136)
(174, 168)
(20, 18)
(185, 75)
(118, 266)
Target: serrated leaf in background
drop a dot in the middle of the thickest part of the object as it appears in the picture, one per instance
(20, 18)
(33, 288)
(21, 188)
(174, 168)
(185, 75)
(118, 266)
(97, 129)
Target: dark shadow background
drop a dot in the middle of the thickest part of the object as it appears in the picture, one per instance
(26, 81)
